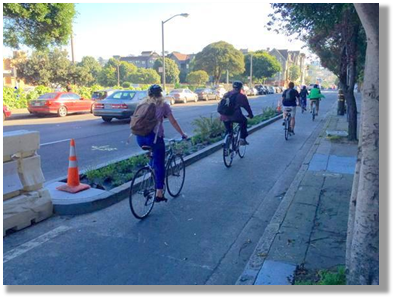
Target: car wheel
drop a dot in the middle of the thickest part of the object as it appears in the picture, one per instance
(107, 119)
(93, 105)
(206, 98)
(62, 112)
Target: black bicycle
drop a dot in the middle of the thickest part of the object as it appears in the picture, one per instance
(287, 123)
(142, 189)
(314, 108)
(232, 146)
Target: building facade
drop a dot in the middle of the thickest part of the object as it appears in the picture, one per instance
(287, 59)
(145, 60)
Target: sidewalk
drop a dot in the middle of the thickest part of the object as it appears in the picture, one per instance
(309, 229)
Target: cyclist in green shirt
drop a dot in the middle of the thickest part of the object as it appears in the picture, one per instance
(315, 95)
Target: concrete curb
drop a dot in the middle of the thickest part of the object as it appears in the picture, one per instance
(115, 195)
(261, 251)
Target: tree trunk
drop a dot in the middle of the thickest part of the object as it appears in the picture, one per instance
(363, 251)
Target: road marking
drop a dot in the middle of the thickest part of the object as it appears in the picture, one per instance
(21, 249)
(48, 143)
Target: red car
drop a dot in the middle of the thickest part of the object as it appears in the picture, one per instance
(60, 103)
(6, 112)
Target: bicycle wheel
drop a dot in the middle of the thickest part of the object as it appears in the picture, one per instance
(313, 112)
(286, 127)
(241, 149)
(228, 151)
(142, 193)
(175, 175)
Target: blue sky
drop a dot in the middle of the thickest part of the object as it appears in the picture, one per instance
(104, 30)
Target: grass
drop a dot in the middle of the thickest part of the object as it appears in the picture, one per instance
(323, 277)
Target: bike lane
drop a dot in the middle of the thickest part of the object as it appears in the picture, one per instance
(205, 236)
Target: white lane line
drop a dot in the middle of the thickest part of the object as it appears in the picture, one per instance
(53, 142)
(21, 249)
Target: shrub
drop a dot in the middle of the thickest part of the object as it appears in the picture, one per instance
(208, 127)
(126, 84)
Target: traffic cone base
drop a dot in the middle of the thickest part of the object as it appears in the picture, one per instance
(73, 179)
(73, 189)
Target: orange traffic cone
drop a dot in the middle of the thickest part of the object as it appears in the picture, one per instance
(73, 178)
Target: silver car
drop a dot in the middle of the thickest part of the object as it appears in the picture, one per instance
(121, 104)
(183, 95)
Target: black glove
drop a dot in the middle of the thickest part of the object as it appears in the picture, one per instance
(251, 116)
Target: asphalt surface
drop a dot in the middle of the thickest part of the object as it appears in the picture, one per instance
(205, 236)
(98, 142)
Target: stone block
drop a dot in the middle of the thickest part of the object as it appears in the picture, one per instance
(22, 143)
(30, 173)
(26, 209)
(11, 181)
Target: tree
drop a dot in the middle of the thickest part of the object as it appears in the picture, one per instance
(90, 66)
(197, 77)
(264, 65)
(48, 68)
(145, 76)
(332, 31)
(37, 25)
(216, 58)
(108, 76)
(172, 70)
(294, 73)
(362, 256)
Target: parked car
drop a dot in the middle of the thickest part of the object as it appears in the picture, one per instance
(168, 98)
(261, 90)
(271, 89)
(120, 105)
(102, 94)
(220, 91)
(60, 103)
(206, 94)
(6, 112)
(183, 95)
(253, 91)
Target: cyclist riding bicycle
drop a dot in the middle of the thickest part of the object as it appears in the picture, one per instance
(155, 138)
(303, 97)
(290, 99)
(241, 101)
(315, 96)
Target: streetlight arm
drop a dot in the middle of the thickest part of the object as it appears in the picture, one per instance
(181, 14)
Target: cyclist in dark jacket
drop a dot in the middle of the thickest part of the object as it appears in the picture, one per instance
(303, 97)
(238, 117)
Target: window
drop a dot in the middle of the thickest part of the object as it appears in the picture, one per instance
(122, 95)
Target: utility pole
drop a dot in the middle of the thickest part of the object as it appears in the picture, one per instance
(118, 70)
(251, 71)
(227, 76)
(72, 46)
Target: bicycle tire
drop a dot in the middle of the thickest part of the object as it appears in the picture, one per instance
(227, 152)
(142, 193)
(174, 167)
(241, 149)
(286, 128)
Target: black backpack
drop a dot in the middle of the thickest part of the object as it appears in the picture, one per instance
(227, 105)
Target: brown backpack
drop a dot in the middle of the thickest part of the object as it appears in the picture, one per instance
(144, 119)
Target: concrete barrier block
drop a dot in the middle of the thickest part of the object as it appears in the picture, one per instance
(11, 181)
(22, 141)
(30, 172)
(26, 209)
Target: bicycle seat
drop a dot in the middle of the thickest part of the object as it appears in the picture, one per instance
(146, 148)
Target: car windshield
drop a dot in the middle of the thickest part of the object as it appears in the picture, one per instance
(97, 95)
(200, 90)
(122, 95)
(47, 96)
(176, 91)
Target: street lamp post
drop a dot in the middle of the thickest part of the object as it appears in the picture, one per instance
(163, 47)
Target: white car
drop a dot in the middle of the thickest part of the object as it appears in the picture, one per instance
(220, 91)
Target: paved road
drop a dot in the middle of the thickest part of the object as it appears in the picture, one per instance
(99, 142)
(205, 236)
